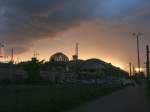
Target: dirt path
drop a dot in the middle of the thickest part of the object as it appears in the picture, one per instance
(131, 99)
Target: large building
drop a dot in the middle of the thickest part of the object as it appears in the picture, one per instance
(59, 57)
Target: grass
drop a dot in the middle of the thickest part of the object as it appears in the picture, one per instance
(49, 98)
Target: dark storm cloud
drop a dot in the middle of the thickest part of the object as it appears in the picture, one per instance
(23, 22)
(26, 21)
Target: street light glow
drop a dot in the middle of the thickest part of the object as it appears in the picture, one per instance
(137, 69)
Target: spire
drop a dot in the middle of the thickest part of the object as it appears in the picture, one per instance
(75, 57)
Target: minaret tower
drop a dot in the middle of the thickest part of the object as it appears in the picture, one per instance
(12, 56)
(75, 57)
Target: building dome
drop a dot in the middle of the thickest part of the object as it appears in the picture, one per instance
(94, 64)
(59, 57)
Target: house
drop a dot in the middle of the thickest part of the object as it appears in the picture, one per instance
(57, 76)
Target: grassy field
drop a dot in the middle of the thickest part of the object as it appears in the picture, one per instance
(49, 98)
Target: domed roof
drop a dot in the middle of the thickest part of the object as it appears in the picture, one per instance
(59, 57)
(94, 63)
(59, 53)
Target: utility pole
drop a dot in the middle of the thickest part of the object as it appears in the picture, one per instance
(147, 62)
(130, 66)
(133, 70)
(137, 35)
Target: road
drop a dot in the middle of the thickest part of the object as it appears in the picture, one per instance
(131, 99)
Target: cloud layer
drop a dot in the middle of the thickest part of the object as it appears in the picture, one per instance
(23, 22)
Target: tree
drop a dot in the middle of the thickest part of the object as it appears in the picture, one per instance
(33, 69)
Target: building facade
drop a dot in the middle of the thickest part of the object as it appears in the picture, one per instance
(59, 57)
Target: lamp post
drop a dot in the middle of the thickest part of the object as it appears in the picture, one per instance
(130, 65)
(137, 35)
(147, 62)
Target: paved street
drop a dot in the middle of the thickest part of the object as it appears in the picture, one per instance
(131, 99)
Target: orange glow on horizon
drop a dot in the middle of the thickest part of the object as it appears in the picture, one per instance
(45, 56)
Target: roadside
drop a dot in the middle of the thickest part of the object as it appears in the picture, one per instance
(50, 98)
(131, 99)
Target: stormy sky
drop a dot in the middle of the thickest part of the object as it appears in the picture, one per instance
(102, 27)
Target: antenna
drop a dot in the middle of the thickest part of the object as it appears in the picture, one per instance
(35, 54)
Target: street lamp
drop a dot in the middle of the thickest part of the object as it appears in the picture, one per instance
(137, 35)
(147, 62)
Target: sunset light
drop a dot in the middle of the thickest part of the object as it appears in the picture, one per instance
(74, 55)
